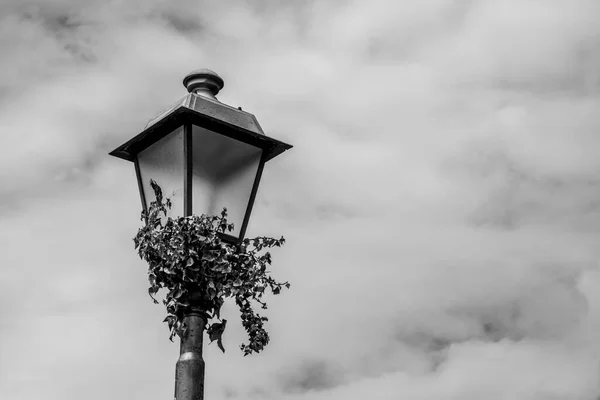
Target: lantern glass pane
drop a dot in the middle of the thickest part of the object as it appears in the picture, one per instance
(223, 175)
(164, 163)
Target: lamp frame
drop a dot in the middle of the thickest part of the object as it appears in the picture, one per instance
(186, 117)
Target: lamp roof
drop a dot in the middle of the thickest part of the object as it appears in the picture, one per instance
(201, 108)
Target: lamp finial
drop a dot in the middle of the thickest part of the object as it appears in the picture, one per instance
(203, 82)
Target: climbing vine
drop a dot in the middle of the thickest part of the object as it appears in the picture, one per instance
(187, 257)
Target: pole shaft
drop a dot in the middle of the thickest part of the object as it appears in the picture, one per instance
(189, 371)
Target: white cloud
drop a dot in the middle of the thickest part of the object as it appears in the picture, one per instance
(439, 203)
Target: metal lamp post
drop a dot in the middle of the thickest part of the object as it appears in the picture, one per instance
(205, 155)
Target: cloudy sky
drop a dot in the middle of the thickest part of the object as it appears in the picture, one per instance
(441, 203)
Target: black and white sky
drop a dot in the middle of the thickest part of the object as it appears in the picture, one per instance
(441, 203)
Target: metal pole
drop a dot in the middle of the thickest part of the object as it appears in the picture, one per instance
(189, 371)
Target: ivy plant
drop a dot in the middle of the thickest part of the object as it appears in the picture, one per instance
(187, 257)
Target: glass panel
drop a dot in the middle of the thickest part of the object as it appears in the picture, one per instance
(163, 161)
(223, 175)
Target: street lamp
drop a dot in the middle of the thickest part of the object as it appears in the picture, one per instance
(205, 155)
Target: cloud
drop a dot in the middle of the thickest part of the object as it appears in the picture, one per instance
(439, 203)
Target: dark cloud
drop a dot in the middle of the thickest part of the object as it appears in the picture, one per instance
(182, 24)
(314, 375)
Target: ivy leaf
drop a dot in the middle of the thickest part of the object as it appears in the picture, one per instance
(152, 290)
(212, 293)
(178, 293)
(171, 319)
(215, 332)
(217, 312)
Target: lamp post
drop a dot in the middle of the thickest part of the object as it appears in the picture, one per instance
(205, 155)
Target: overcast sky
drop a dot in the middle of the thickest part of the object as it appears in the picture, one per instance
(441, 203)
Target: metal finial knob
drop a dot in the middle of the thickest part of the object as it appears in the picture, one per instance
(203, 82)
